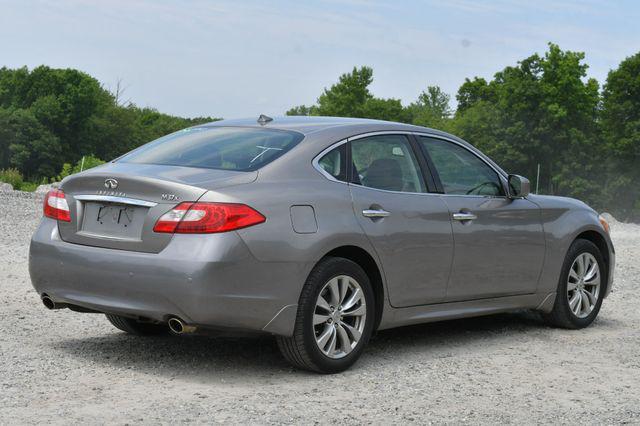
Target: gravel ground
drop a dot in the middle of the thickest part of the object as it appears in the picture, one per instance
(64, 367)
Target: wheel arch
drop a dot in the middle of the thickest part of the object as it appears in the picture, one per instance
(367, 262)
(600, 241)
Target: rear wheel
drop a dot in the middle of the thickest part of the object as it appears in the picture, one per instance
(335, 318)
(138, 328)
(581, 287)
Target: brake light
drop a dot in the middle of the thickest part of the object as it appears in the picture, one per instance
(207, 218)
(56, 207)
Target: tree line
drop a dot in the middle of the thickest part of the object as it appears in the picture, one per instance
(541, 114)
(49, 117)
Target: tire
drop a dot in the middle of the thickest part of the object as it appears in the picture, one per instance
(562, 314)
(132, 326)
(302, 349)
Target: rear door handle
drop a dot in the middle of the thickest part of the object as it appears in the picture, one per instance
(464, 216)
(375, 213)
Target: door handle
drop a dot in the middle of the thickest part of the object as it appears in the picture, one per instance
(464, 216)
(375, 213)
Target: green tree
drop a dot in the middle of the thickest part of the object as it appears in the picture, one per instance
(621, 130)
(542, 111)
(32, 146)
(348, 96)
(52, 116)
(432, 109)
(301, 110)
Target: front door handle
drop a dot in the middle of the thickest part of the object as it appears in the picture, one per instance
(464, 216)
(375, 213)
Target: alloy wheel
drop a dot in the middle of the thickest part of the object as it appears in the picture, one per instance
(583, 285)
(339, 317)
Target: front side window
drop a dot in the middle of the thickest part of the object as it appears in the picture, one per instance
(226, 148)
(461, 172)
(386, 162)
(334, 162)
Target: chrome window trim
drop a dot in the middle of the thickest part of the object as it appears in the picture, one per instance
(315, 162)
(112, 199)
(502, 176)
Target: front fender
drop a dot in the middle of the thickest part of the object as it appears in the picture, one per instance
(564, 220)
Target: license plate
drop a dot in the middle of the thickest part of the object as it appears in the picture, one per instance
(113, 220)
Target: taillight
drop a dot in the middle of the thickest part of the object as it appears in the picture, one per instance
(207, 218)
(56, 207)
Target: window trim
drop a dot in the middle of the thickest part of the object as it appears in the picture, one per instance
(439, 190)
(416, 153)
(500, 174)
(316, 162)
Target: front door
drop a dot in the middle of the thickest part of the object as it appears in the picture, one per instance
(499, 242)
(409, 228)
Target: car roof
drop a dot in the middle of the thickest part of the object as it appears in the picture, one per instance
(328, 129)
(313, 124)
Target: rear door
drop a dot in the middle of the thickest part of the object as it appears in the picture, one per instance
(408, 227)
(499, 242)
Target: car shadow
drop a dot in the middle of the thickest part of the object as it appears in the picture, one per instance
(231, 357)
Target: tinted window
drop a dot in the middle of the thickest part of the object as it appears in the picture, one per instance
(461, 171)
(386, 162)
(334, 162)
(227, 148)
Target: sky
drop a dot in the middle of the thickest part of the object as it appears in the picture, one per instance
(242, 58)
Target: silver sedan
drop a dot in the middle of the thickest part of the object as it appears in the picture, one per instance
(316, 230)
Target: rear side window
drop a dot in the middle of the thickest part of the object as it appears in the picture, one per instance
(334, 163)
(226, 148)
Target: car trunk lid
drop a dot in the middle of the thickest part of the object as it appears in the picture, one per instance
(116, 205)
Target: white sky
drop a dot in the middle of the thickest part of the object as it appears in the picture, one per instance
(242, 58)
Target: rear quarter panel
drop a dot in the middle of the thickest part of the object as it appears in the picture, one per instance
(293, 181)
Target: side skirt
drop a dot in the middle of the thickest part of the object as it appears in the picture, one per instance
(398, 317)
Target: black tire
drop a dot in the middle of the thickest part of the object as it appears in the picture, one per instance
(561, 315)
(301, 349)
(132, 326)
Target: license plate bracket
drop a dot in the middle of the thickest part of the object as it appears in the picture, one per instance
(111, 220)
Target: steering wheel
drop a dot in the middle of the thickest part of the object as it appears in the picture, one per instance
(477, 188)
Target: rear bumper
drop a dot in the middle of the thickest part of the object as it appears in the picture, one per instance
(207, 280)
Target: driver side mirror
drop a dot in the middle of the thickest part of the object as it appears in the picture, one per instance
(518, 186)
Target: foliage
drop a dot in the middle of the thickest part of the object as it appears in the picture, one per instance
(542, 111)
(431, 109)
(11, 176)
(621, 132)
(14, 177)
(52, 116)
(85, 163)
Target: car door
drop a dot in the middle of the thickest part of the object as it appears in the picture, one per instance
(408, 227)
(499, 242)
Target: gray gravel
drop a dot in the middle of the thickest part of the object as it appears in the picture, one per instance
(65, 367)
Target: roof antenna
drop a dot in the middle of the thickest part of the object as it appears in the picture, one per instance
(263, 119)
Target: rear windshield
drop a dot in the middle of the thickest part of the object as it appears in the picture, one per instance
(226, 148)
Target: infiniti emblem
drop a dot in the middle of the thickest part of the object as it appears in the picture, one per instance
(110, 183)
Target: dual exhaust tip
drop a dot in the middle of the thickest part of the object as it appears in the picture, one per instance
(176, 325)
(50, 304)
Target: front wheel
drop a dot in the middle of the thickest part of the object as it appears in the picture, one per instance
(334, 320)
(581, 287)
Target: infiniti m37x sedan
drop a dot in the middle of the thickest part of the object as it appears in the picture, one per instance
(316, 230)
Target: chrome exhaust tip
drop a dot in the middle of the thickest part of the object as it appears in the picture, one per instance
(177, 326)
(50, 304)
